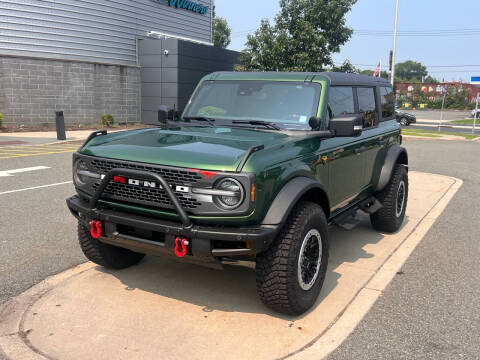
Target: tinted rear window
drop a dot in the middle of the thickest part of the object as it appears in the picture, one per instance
(367, 106)
(388, 102)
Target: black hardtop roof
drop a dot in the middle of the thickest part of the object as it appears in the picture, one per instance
(335, 78)
(339, 78)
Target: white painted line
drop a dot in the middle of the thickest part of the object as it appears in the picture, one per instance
(16, 171)
(35, 187)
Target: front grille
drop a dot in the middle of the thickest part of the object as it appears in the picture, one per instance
(155, 197)
(172, 176)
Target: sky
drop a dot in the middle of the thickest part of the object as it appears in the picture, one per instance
(448, 57)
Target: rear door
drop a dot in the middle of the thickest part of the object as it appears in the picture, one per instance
(368, 108)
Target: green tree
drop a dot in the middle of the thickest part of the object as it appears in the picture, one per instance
(383, 73)
(346, 67)
(410, 71)
(305, 35)
(430, 80)
(221, 31)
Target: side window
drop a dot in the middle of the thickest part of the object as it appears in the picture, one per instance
(366, 106)
(388, 102)
(341, 101)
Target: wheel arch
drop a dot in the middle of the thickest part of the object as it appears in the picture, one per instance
(297, 189)
(395, 155)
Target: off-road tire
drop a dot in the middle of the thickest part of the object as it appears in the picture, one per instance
(106, 255)
(386, 219)
(277, 268)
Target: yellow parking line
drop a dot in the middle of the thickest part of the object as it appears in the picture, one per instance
(8, 157)
(33, 154)
(43, 146)
(36, 150)
(21, 150)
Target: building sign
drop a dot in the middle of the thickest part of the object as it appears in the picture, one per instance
(475, 80)
(189, 5)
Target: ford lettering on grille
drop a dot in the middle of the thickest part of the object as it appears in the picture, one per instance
(147, 184)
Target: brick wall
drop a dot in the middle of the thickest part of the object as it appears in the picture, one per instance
(31, 90)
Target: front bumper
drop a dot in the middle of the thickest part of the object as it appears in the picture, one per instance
(157, 236)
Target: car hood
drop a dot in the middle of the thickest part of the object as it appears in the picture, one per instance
(209, 148)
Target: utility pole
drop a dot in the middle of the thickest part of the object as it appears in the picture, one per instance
(441, 113)
(394, 43)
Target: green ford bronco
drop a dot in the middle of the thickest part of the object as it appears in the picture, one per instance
(256, 168)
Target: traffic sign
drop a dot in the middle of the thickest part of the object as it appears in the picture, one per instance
(475, 80)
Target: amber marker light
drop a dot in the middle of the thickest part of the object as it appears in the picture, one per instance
(252, 193)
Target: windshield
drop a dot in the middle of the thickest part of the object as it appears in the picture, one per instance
(288, 104)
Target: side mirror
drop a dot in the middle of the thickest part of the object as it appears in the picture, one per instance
(346, 125)
(165, 113)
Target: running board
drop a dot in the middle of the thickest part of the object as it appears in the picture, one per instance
(371, 205)
(348, 219)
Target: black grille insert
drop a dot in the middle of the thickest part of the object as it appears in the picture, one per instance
(148, 196)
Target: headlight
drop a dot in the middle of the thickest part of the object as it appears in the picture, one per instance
(78, 167)
(233, 193)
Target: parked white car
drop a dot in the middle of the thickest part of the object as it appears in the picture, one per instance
(478, 114)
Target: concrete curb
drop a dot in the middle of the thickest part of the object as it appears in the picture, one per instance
(15, 341)
(355, 311)
(14, 332)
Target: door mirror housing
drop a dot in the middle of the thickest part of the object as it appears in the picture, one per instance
(346, 125)
(165, 113)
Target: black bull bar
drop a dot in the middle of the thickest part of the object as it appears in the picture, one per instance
(257, 237)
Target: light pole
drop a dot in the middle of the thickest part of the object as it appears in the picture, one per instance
(476, 114)
(394, 42)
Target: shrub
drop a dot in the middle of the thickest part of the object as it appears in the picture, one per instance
(108, 120)
(1, 118)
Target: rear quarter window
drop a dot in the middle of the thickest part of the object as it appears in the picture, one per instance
(367, 106)
(388, 102)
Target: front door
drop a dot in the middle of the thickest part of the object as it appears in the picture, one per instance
(344, 154)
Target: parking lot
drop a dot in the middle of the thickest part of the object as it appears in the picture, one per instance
(432, 293)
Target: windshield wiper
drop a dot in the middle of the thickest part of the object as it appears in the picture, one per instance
(210, 121)
(257, 122)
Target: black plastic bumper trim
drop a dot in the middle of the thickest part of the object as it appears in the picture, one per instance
(259, 237)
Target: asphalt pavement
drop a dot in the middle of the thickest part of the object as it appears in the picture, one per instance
(431, 309)
(448, 115)
(38, 232)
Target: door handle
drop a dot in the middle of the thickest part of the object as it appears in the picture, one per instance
(360, 150)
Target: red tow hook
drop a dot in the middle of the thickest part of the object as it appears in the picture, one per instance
(95, 229)
(184, 243)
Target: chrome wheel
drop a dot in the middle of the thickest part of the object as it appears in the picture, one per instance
(310, 259)
(400, 203)
(403, 122)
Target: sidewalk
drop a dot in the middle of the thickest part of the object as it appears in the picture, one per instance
(71, 135)
(45, 137)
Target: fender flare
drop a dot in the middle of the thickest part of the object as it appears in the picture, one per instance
(288, 196)
(391, 159)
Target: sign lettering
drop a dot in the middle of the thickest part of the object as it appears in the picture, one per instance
(189, 5)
